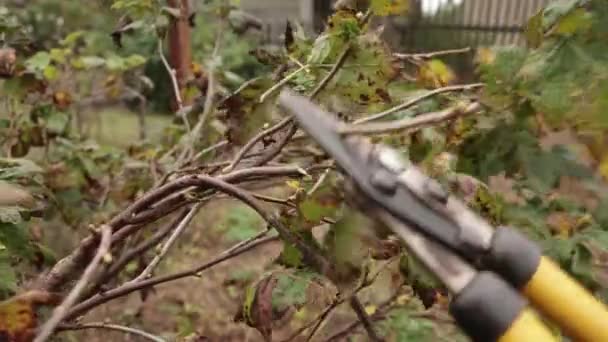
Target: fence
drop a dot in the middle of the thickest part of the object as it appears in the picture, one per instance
(436, 24)
(430, 25)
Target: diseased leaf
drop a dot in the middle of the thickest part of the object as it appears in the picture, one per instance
(435, 74)
(244, 115)
(275, 294)
(18, 317)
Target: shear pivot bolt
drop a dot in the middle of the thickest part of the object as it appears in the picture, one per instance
(436, 191)
(384, 181)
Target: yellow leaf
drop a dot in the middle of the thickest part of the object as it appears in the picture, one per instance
(403, 299)
(435, 74)
(604, 167)
(562, 224)
(389, 7)
(485, 56)
(294, 184)
(370, 309)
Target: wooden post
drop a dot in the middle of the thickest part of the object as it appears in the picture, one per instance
(180, 53)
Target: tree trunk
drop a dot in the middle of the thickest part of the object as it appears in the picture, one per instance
(180, 49)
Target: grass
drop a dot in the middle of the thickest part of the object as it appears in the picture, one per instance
(120, 127)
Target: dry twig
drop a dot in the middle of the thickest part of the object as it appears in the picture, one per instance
(417, 122)
(60, 312)
(415, 101)
(108, 326)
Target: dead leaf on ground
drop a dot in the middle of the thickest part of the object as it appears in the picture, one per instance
(574, 190)
(562, 224)
(503, 186)
(569, 140)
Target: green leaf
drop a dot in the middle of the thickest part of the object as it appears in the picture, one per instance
(8, 277)
(321, 49)
(577, 21)
(134, 61)
(555, 10)
(88, 62)
(290, 256)
(57, 122)
(38, 62)
(400, 326)
(241, 223)
(534, 30)
(15, 238)
(291, 289)
(582, 264)
(50, 73)
(11, 168)
(72, 38)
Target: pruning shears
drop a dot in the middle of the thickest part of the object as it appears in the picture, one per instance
(496, 275)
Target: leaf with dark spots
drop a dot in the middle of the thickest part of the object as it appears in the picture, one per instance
(372, 68)
(383, 94)
(261, 313)
(269, 300)
(18, 317)
(244, 115)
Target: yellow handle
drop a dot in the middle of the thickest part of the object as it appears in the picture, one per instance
(527, 327)
(571, 306)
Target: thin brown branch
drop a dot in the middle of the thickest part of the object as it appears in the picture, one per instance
(281, 83)
(364, 318)
(311, 256)
(108, 326)
(433, 54)
(257, 138)
(183, 224)
(68, 267)
(334, 70)
(132, 253)
(121, 291)
(365, 283)
(417, 100)
(60, 312)
(423, 120)
(194, 136)
(173, 77)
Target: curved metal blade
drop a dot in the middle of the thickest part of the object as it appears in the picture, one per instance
(401, 203)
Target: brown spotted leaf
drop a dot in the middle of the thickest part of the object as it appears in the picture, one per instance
(244, 114)
(18, 316)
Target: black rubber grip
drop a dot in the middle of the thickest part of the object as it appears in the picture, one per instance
(486, 307)
(513, 256)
